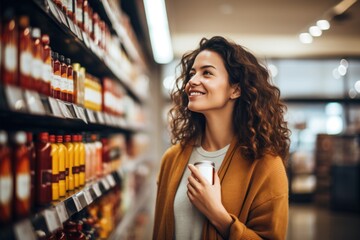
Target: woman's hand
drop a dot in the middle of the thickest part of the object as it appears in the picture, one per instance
(207, 199)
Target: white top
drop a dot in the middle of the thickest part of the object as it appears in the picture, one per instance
(188, 220)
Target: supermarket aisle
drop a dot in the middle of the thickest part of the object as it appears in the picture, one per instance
(308, 222)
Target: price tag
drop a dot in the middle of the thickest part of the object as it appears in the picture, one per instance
(100, 117)
(34, 103)
(76, 111)
(53, 10)
(71, 109)
(63, 18)
(77, 203)
(55, 108)
(86, 39)
(24, 230)
(71, 25)
(82, 114)
(52, 220)
(81, 197)
(96, 189)
(90, 115)
(78, 32)
(105, 183)
(15, 98)
(88, 196)
(65, 111)
(62, 213)
(111, 180)
(107, 119)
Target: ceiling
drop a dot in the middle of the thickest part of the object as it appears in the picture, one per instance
(269, 28)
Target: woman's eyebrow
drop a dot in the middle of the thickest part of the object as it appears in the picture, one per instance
(205, 66)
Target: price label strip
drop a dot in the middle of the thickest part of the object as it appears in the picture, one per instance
(24, 230)
(88, 196)
(53, 10)
(82, 114)
(71, 25)
(62, 17)
(100, 117)
(111, 180)
(52, 220)
(65, 111)
(81, 197)
(15, 98)
(86, 39)
(62, 213)
(34, 103)
(97, 189)
(105, 183)
(78, 32)
(78, 205)
(90, 115)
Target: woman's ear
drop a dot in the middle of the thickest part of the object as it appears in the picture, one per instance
(236, 92)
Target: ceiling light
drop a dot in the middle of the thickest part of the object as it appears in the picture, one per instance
(323, 24)
(357, 86)
(159, 30)
(305, 38)
(315, 31)
(344, 63)
(342, 70)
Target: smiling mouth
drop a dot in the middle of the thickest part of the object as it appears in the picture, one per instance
(196, 93)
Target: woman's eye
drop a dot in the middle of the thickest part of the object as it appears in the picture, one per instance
(207, 73)
(191, 74)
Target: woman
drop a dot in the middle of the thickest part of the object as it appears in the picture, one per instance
(226, 111)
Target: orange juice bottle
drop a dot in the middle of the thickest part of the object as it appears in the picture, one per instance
(62, 160)
(70, 161)
(82, 161)
(55, 168)
(76, 166)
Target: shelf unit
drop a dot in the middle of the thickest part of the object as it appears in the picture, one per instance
(28, 110)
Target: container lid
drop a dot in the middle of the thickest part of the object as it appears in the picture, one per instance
(36, 33)
(205, 162)
(3, 137)
(59, 138)
(20, 137)
(43, 137)
(52, 138)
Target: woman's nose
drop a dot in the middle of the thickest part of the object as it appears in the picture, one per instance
(194, 80)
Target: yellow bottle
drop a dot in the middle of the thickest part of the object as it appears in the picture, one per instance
(82, 161)
(62, 161)
(70, 161)
(55, 168)
(76, 166)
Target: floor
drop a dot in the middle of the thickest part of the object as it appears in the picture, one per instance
(307, 222)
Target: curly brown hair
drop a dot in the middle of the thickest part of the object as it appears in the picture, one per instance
(258, 115)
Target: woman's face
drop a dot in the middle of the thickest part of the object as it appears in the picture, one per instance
(208, 88)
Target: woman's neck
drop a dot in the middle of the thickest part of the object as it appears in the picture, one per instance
(218, 133)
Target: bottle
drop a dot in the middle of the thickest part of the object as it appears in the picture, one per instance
(70, 10)
(85, 16)
(99, 160)
(47, 68)
(54, 168)
(37, 62)
(70, 81)
(82, 160)
(64, 81)
(25, 53)
(62, 159)
(76, 167)
(70, 162)
(56, 81)
(207, 170)
(32, 157)
(21, 163)
(10, 48)
(79, 13)
(76, 77)
(43, 169)
(88, 158)
(6, 179)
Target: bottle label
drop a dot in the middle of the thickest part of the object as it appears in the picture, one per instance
(23, 186)
(55, 178)
(79, 13)
(70, 5)
(46, 177)
(6, 187)
(86, 21)
(36, 68)
(71, 86)
(56, 81)
(25, 63)
(10, 57)
(82, 168)
(75, 170)
(47, 72)
(62, 175)
(63, 84)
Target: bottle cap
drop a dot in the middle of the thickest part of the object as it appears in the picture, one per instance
(52, 138)
(59, 138)
(36, 33)
(56, 56)
(3, 137)
(43, 137)
(20, 137)
(45, 39)
(67, 138)
(68, 61)
(24, 21)
(62, 58)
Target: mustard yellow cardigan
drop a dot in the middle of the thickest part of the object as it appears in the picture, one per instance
(255, 194)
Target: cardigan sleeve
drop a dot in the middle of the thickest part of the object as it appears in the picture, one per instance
(267, 221)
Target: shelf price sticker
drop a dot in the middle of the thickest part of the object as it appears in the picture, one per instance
(100, 117)
(82, 114)
(78, 205)
(15, 98)
(91, 116)
(62, 213)
(86, 39)
(105, 183)
(55, 108)
(53, 10)
(97, 189)
(24, 230)
(65, 111)
(81, 197)
(111, 180)
(34, 103)
(88, 196)
(78, 32)
(52, 220)
(62, 17)
(71, 25)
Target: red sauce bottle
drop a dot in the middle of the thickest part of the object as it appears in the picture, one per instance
(47, 68)
(6, 180)
(37, 62)
(25, 53)
(56, 81)
(43, 170)
(70, 81)
(64, 82)
(21, 172)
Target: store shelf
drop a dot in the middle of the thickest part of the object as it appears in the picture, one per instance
(50, 219)
(27, 109)
(78, 46)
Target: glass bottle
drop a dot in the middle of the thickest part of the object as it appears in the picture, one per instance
(76, 167)
(10, 48)
(47, 68)
(56, 81)
(37, 62)
(43, 169)
(79, 13)
(70, 81)
(64, 81)
(54, 167)
(82, 160)
(70, 10)
(62, 159)
(6, 179)
(25, 53)
(21, 163)
(70, 162)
